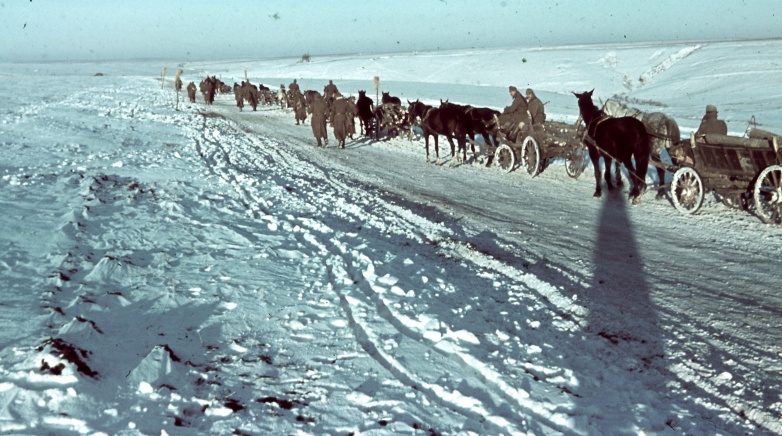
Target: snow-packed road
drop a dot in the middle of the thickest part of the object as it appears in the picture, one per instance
(212, 271)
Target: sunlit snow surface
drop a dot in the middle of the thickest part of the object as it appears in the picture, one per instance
(210, 271)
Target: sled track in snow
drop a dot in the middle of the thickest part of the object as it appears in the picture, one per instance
(229, 158)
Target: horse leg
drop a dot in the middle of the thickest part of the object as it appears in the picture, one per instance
(596, 165)
(607, 161)
(618, 173)
(454, 155)
(462, 141)
(660, 174)
(639, 184)
(426, 141)
(660, 184)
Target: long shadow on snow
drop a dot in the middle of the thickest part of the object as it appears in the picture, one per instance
(621, 313)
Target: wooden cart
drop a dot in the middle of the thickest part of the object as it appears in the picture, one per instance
(743, 171)
(533, 150)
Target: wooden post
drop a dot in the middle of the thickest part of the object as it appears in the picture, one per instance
(162, 77)
(245, 76)
(376, 84)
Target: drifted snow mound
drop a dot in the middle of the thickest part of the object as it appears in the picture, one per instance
(123, 267)
(158, 368)
(649, 75)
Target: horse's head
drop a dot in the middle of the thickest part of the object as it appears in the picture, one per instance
(585, 104)
(584, 95)
(416, 110)
(386, 94)
(362, 93)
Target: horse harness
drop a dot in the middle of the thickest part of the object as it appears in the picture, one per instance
(591, 131)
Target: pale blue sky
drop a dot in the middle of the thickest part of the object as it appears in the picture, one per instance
(219, 29)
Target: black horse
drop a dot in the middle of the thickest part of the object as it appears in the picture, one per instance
(622, 139)
(449, 120)
(366, 111)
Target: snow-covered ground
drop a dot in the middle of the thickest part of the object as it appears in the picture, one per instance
(210, 271)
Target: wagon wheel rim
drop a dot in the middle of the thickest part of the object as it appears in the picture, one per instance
(687, 190)
(530, 156)
(767, 195)
(575, 164)
(504, 158)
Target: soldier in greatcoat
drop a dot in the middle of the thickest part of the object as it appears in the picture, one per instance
(514, 117)
(536, 110)
(710, 123)
(319, 110)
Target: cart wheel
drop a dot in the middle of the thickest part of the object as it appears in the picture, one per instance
(768, 195)
(687, 190)
(504, 157)
(576, 163)
(530, 156)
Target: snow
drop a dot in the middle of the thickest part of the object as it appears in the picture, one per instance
(210, 271)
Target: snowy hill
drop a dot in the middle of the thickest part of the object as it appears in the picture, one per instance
(210, 271)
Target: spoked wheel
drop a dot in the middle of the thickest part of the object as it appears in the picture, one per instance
(530, 156)
(687, 190)
(504, 157)
(768, 195)
(576, 163)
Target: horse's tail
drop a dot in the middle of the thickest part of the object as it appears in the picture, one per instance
(674, 134)
(642, 153)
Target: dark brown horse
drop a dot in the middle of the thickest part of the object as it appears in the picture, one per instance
(366, 110)
(390, 99)
(623, 139)
(483, 121)
(191, 92)
(449, 120)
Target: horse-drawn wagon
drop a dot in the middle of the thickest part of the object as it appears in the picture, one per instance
(743, 171)
(534, 149)
(388, 119)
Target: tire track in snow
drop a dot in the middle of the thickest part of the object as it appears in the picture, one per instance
(490, 379)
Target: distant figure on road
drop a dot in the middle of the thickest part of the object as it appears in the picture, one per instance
(294, 87)
(191, 90)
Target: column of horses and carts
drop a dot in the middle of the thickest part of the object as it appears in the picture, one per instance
(743, 172)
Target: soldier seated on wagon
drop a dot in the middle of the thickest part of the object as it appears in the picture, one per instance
(536, 111)
(711, 124)
(514, 117)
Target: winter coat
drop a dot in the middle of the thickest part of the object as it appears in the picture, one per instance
(536, 111)
(515, 113)
(343, 113)
(330, 91)
(711, 124)
(319, 108)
